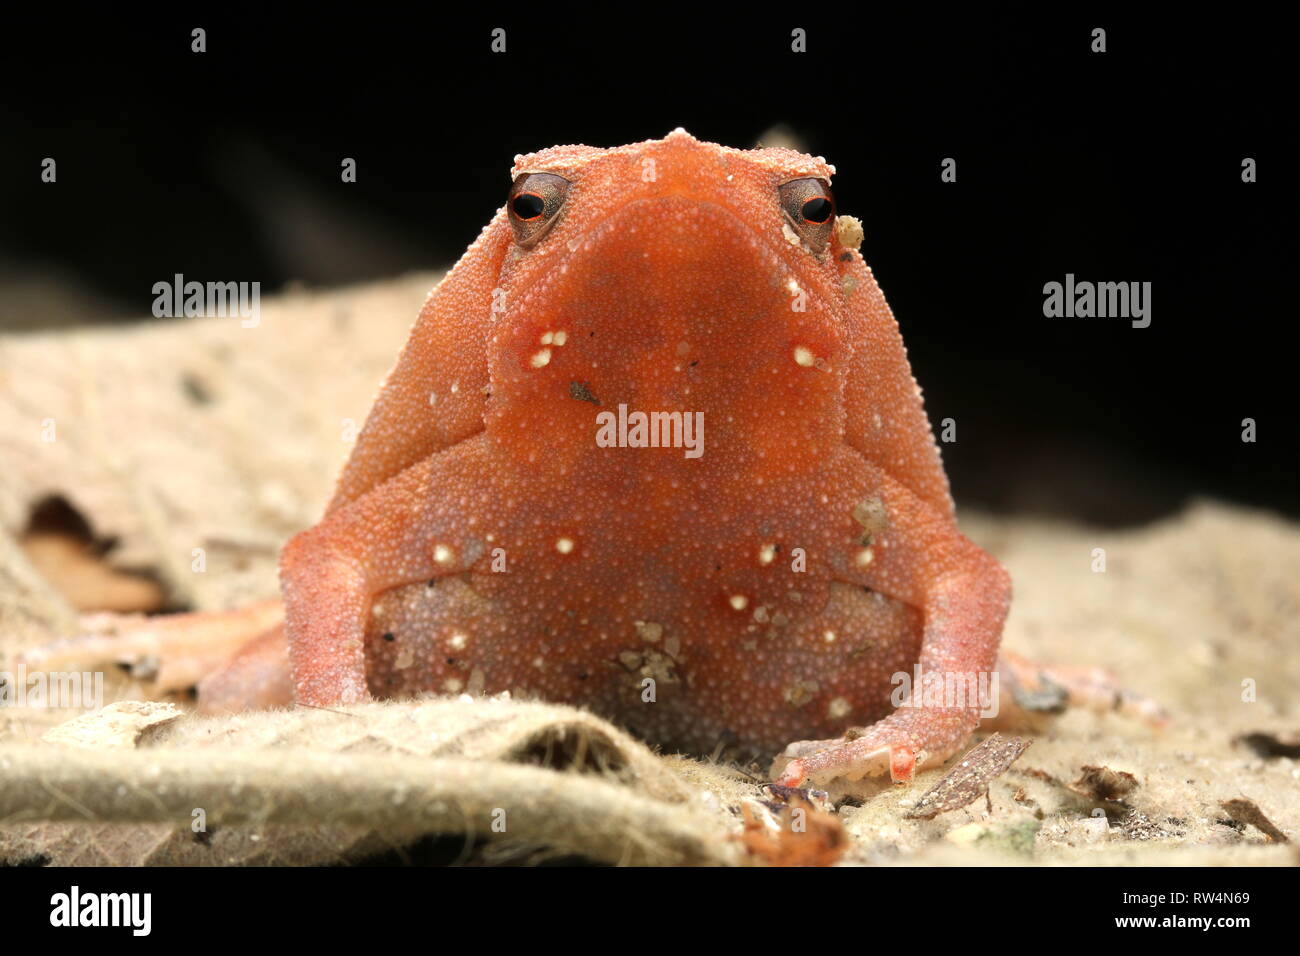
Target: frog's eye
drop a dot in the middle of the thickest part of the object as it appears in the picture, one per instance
(534, 204)
(810, 207)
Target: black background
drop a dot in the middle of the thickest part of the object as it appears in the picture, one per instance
(1122, 166)
(333, 907)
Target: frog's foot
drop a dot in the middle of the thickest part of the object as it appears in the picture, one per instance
(1031, 692)
(167, 653)
(904, 742)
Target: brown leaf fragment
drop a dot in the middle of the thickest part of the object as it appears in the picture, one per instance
(802, 835)
(1271, 746)
(970, 778)
(1039, 774)
(1103, 783)
(74, 561)
(1246, 811)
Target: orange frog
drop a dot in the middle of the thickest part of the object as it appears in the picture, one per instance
(653, 448)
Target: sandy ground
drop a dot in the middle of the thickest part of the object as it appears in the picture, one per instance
(202, 439)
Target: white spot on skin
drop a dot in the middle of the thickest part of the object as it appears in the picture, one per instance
(441, 553)
(739, 602)
(547, 338)
(561, 337)
(792, 286)
(455, 387)
(767, 554)
(791, 236)
(864, 557)
(540, 359)
(838, 708)
(803, 356)
(458, 641)
(828, 637)
(564, 545)
(649, 631)
(453, 685)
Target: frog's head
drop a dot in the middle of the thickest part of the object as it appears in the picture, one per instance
(574, 189)
(673, 274)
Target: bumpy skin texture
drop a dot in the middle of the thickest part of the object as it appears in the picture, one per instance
(770, 587)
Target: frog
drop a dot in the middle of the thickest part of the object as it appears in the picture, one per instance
(653, 448)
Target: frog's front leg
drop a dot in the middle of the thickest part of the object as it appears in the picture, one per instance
(427, 521)
(898, 545)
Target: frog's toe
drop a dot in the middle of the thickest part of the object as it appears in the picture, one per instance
(817, 762)
(908, 740)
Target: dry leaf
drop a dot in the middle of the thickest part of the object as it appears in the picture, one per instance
(1271, 746)
(803, 835)
(1103, 783)
(119, 726)
(1246, 811)
(970, 778)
